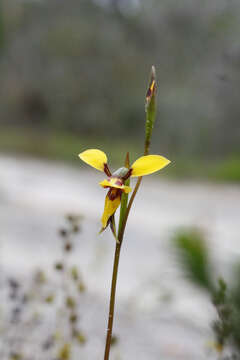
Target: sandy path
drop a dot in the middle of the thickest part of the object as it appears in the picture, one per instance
(35, 195)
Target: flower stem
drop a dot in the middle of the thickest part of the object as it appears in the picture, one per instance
(124, 220)
(122, 226)
(126, 207)
(112, 300)
(123, 210)
(124, 223)
(115, 271)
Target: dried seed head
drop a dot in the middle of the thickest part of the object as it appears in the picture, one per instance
(76, 228)
(15, 356)
(65, 352)
(59, 266)
(81, 287)
(74, 273)
(14, 284)
(70, 302)
(73, 318)
(81, 338)
(49, 299)
(48, 344)
(40, 277)
(68, 246)
(114, 340)
(63, 232)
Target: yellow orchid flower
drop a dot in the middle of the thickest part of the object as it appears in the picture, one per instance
(144, 165)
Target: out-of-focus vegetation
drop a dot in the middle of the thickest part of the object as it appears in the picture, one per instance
(64, 146)
(41, 316)
(80, 67)
(195, 259)
(1, 29)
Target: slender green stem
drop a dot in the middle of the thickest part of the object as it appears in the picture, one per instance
(123, 209)
(124, 200)
(124, 223)
(122, 226)
(112, 300)
(126, 207)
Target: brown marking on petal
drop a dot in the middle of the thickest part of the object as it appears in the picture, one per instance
(119, 192)
(114, 193)
(128, 174)
(117, 181)
(106, 170)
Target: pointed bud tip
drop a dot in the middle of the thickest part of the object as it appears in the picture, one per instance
(153, 72)
(102, 229)
(152, 86)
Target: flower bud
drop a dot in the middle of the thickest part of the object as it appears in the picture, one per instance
(150, 108)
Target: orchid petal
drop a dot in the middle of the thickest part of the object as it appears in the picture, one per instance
(114, 183)
(109, 209)
(95, 158)
(148, 164)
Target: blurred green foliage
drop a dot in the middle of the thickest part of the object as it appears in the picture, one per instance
(82, 67)
(65, 146)
(1, 29)
(194, 257)
(227, 170)
(225, 295)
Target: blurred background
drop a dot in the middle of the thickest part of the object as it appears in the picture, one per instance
(74, 75)
(78, 70)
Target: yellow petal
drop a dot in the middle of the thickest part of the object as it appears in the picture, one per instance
(148, 164)
(115, 183)
(109, 209)
(95, 158)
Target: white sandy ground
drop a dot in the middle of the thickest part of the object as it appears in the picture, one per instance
(159, 315)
